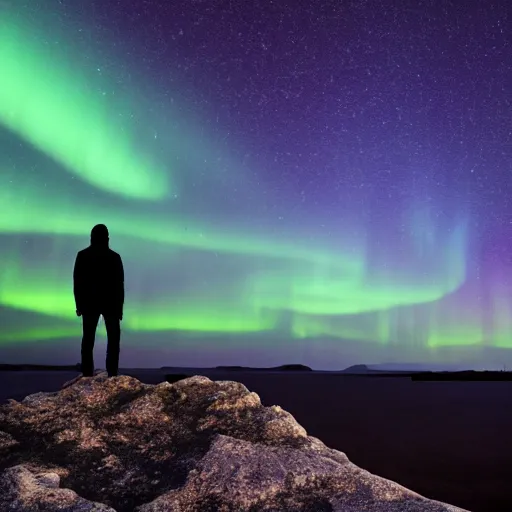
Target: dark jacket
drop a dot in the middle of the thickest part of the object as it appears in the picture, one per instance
(98, 281)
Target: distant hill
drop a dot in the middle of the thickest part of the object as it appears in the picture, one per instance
(416, 372)
(416, 367)
(282, 368)
(371, 369)
(357, 368)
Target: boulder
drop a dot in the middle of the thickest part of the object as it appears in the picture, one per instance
(116, 444)
(24, 490)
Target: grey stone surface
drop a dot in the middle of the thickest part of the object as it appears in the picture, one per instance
(117, 444)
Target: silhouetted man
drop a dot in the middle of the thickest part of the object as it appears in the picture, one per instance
(98, 285)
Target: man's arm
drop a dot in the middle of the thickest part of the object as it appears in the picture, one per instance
(120, 274)
(78, 283)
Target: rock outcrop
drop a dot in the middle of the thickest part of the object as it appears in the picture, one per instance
(120, 445)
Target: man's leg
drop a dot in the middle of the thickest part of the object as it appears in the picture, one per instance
(113, 327)
(89, 324)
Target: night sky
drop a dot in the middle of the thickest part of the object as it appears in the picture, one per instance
(325, 183)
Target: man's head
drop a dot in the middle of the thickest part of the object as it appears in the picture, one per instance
(99, 235)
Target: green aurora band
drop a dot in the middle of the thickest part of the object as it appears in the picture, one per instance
(43, 100)
(312, 283)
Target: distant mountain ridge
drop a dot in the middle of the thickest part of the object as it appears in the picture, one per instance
(438, 372)
(282, 368)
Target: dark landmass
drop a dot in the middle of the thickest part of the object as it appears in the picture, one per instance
(76, 367)
(357, 368)
(363, 369)
(470, 375)
(38, 367)
(418, 367)
(173, 374)
(282, 368)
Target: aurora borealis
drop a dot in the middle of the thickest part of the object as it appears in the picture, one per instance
(325, 184)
